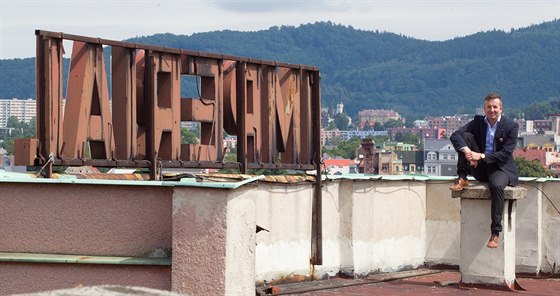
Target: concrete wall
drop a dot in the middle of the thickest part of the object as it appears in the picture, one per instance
(18, 278)
(368, 226)
(213, 241)
(529, 232)
(551, 227)
(284, 210)
(87, 220)
(443, 224)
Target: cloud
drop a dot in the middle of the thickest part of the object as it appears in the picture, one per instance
(263, 6)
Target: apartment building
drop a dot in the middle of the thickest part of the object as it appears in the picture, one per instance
(23, 109)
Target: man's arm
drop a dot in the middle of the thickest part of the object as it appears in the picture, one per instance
(457, 137)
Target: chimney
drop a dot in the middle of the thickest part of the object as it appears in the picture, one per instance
(368, 146)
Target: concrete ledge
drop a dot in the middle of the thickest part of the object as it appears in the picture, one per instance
(80, 259)
(482, 192)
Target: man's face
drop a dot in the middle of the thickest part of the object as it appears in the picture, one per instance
(493, 109)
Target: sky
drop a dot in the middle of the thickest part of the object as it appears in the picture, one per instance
(122, 19)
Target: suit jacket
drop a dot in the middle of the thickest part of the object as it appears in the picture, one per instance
(505, 142)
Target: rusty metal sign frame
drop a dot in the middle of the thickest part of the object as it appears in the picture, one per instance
(273, 109)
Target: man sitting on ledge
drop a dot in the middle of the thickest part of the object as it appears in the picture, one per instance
(485, 147)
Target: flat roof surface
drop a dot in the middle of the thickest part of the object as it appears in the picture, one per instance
(416, 282)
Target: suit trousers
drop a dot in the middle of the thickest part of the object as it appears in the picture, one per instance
(486, 172)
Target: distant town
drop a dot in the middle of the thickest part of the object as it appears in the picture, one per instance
(378, 143)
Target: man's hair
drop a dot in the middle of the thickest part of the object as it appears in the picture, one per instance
(492, 96)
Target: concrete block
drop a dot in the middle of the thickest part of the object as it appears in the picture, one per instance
(481, 265)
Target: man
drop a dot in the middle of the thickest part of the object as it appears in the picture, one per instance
(485, 147)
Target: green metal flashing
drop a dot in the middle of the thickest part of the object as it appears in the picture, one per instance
(417, 177)
(77, 259)
(9, 177)
(224, 185)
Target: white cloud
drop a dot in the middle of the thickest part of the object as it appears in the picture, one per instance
(122, 19)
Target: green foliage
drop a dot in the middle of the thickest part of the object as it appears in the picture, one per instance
(407, 138)
(188, 136)
(341, 121)
(366, 69)
(345, 149)
(20, 130)
(539, 110)
(529, 168)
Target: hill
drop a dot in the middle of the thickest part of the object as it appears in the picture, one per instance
(372, 69)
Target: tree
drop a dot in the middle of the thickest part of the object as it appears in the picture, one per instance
(20, 129)
(528, 168)
(393, 123)
(367, 126)
(346, 149)
(188, 136)
(341, 120)
(407, 138)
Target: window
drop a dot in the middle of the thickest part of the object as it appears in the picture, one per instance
(431, 156)
(431, 169)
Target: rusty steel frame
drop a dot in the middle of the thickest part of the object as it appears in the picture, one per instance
(273, 108)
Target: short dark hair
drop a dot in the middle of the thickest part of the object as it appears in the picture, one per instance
(492, 96)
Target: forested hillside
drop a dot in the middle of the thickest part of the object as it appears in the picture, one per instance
(370, 70)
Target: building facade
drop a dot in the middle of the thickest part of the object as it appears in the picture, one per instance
(23, 109)
(440, 158)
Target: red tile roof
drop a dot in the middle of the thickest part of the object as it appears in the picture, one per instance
(338, 162)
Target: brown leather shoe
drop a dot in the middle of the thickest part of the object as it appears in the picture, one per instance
(459, 184)
(493, 241)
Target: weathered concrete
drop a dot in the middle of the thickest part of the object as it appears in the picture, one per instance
(33, 277)
(480, 264)
(443, 225)
(105, 290)
(528, 230)
(213, 241)
(285, 210)
(85, 219)
(369, 226)
(551, 227)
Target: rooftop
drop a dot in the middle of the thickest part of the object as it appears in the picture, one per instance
(416, 282)
(97, 228)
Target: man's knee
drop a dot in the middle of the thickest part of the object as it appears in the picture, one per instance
(496, 186)
(468, 137)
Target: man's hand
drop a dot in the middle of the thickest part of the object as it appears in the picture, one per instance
(472, 156)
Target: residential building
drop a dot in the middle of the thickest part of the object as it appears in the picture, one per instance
(539, 141)
(339, 166)
(412, 161)
(440, 158)
(555, 122)
(23, 109)
(379, 162)
(327, 135)
(531, 155)
(449, 123)
(378, 115)
(397, 146)
(542, 126)
(422, 133)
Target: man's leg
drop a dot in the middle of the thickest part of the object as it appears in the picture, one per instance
(497, 182)
(464, 167)
(462, 163)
